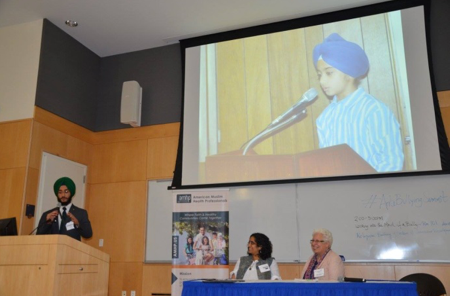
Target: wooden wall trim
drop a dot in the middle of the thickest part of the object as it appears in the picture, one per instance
(63, 125)
(113, 136)
(138, 133)
(16, 121)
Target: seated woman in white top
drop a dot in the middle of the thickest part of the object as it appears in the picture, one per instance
(259, 264)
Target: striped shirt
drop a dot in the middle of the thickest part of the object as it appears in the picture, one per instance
(367, 126)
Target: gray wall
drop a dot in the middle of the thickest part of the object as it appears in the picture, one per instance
(78, 85)
(440, 42)
(68, 77)
(81, 87)
(158, 71)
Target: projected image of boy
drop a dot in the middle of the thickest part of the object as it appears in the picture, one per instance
(353, 116)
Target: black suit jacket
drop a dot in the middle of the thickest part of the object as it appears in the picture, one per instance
(84, 230)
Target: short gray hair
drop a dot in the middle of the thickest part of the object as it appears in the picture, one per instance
(327, 236)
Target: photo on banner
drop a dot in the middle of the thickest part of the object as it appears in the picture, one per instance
(200, 236)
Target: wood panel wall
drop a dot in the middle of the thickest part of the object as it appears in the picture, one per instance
(444, 103)
(14, 151)
(120, 163)
(56, 136)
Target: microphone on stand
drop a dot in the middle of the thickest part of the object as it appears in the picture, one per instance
(294, 114)
(306, 99)
(58, 205)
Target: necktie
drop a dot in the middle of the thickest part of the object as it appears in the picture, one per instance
(63, 221)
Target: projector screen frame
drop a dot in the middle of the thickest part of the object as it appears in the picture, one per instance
(330, 17)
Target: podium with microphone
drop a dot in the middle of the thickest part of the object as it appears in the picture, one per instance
(51, 265)
(245, 165)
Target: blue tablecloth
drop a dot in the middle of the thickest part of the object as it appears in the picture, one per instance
(198, 288)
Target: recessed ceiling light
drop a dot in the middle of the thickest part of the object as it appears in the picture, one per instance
(71, 23)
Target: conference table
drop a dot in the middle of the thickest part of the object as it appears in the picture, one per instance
(298, 288)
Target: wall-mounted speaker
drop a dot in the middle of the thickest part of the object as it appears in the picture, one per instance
(29, 210)
(131, 104)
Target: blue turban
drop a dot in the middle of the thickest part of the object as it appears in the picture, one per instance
(64, 181)
(347, 57)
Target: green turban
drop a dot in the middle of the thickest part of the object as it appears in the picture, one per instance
(64, 181)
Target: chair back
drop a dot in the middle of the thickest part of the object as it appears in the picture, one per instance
(427, 284)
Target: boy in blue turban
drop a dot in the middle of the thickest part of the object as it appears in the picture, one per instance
(67, 219)
(354, 117)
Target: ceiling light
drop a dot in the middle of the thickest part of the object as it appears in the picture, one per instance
(71, 23)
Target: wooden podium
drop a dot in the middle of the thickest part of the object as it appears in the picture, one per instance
(51, 265)
(338, 160)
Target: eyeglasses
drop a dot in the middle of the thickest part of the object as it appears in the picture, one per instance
(63, 191)
(316, 241)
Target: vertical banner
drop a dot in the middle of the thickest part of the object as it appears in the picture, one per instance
(200, 232)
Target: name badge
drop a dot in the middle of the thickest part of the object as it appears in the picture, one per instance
(319, 272)
(70, 225)
(264, 267)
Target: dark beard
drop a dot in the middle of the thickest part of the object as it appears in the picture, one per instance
(65, 203)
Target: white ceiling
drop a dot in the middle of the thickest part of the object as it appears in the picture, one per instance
(110, 27)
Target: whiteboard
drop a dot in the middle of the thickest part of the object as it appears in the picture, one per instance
(387, 219)
(406, 219)
(267, 209)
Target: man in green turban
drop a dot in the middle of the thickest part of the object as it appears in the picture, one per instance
(66, 219)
